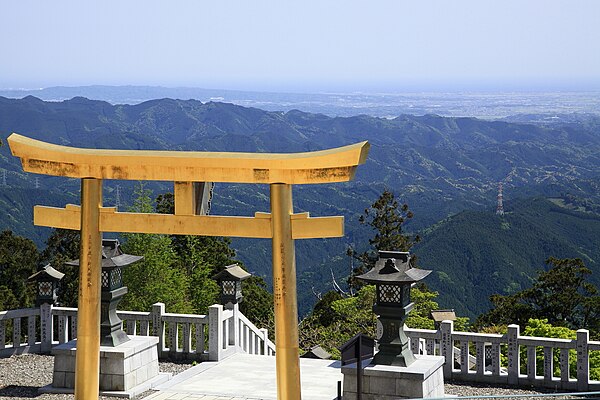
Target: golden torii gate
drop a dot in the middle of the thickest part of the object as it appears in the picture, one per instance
(184, 168)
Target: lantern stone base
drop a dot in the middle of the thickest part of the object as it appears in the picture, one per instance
(422, 379)
(131, 365)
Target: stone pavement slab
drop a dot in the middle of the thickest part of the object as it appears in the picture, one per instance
(244, 376)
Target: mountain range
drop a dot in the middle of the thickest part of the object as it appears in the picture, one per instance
(440, 166)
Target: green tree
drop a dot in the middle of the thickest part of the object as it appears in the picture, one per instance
(386, 217)
(349, 316)
(202, 257)
(420, 315)
(562, 295)
(334, 320)
(323, 310)
(63, 246)
(8, 300)
(18, 260)
(158, 277)
(257, 305)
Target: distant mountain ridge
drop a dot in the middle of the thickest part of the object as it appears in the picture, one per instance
(439, 165)
(546, 107)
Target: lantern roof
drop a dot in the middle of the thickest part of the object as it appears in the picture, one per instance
(232, 272)
(394, 267)
(46, 273)
(112, 255)
(443, 315)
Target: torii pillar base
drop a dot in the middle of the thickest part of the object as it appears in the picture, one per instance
(124, 370)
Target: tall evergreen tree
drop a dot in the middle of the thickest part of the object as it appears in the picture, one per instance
(386, 217)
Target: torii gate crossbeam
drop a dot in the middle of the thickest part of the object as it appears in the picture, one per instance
(280, 171)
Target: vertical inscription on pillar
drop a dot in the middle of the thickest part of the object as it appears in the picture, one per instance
(283, 270)
(89, 262)
(277, 291)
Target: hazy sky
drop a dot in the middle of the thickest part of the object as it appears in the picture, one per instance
(303, 45)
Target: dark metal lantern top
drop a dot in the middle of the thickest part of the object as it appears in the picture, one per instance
(112, 255)
(46, 274)
(393, 268)
(113, 259)
(230, 280)
(47, 282)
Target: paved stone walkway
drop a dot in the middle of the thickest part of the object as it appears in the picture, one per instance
(244, 376)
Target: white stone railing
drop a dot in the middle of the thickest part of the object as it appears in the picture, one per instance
(11, 325)
(490, 349)
(254, 340)
(181, 336)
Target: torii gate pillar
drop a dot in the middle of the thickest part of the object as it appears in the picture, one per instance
(285, 300)
(88, 314)
(280, 171)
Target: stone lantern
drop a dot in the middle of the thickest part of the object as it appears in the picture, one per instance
(47, 280)
(230, 281)
(393, 276)
(113, 261)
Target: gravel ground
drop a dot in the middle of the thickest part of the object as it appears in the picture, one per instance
(474, 389)
(21, 376)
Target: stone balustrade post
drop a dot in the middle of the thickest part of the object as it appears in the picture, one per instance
(265, 338)
(514, 360)
(215, 332)
(583, 367)
(234, 326)
(46, 328)
(31, 328)
(158, 326)
(446, 328)
(16, 332)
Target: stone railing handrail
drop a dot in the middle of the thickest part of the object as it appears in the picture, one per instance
(456, 348)
(137, 315)
(66, 311)
(181, 336)
(14, 317)
(255, 341)
(22, 313)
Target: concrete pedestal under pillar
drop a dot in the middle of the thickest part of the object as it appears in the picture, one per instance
(422, 379)
(130, 368)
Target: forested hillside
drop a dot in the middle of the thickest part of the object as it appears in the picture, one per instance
(439, 166)
(475, 254)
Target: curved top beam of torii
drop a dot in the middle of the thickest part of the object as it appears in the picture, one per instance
(325, 166)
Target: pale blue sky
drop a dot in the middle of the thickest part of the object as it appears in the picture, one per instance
(323, 45)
